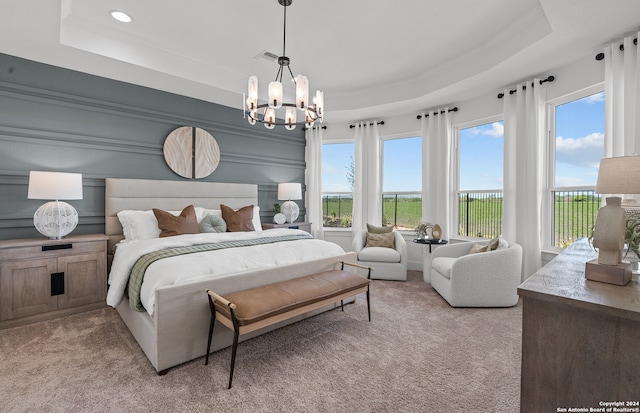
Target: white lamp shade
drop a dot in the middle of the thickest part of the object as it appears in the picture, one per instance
(619, 175)
(252, 96)
(54, 185)
(309, 119)
(275, 95)
(269, 118)
(253, 115)
(319, 104)
(289, 190)
(302, 91)
(290, 118)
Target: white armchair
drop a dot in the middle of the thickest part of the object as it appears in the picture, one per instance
(387, 263)
(484, 279)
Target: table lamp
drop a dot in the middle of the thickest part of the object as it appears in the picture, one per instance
(618, 175)
(290, 191)
(55, 219)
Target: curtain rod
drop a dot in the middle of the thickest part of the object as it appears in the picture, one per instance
(454, 109)
(316, 127)
(511, 92)
(600, 55)
(370, 124)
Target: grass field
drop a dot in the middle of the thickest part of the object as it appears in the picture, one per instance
(479, 217)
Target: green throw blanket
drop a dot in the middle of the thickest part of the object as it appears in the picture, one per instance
(139, 268)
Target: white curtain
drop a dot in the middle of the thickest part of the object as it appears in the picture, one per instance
(367, 197)
(524, 148)
(622, 98)
(437, 174)
(313, 181)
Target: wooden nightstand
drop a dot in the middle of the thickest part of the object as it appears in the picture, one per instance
(305, 226)
(42, 279)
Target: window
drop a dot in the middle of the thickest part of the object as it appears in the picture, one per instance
(480, 160)
(337, 184)
(577, 141)
(402, 182)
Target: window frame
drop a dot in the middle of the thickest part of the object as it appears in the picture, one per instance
(548, 218)
(352, 193)
(383, 139)
(456, 169)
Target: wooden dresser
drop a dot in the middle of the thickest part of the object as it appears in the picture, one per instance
(580, 338)
(42, 278)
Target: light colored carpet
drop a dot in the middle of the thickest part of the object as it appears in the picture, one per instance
(417, 355)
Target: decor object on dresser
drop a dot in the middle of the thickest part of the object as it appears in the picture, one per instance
(290, 191)
(55, 219)
(386, 252)
(191, 152)
(477, 274)
(311, 113)
(618, 175)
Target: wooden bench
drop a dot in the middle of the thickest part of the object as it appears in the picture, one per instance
(249, 310)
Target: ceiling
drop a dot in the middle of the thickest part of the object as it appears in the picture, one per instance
(370, 58)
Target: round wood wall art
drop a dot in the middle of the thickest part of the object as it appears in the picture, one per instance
(191, 152)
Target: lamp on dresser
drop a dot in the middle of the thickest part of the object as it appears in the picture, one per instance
(55, 219)
(617, 175)
(290, 191)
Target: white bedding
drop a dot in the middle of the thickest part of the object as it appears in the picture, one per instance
(211, 264)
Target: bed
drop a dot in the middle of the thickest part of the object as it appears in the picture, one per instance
(176, 330)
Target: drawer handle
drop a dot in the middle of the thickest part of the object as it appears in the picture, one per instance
(57, 283)
(57, 247)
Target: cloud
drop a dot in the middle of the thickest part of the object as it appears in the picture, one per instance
(598, 97)
(496, 130)
(583, 152)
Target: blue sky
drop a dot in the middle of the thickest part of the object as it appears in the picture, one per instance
(579, 139)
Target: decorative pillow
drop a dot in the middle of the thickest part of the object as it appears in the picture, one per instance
(171, 225)
(386, 240)
(240, 220)
(203, 212)
(502, 244)
(476, 248)
(140, 224)
(378, 230)
(213, 223)
(493, 243)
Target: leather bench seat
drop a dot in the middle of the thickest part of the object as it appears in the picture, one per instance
(259, 303)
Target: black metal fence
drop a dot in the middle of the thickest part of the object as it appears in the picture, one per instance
(480, 213)
(574, 214)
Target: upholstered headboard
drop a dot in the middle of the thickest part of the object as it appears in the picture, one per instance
(144, 194)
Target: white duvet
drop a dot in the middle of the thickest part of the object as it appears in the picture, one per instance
(211, 264)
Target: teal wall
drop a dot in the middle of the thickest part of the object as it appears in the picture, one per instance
(55, 119)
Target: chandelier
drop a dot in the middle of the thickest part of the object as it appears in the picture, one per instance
(266, 112)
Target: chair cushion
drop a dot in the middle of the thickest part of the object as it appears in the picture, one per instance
(379, 254)
(443, 265)
(381, 240)
(379, 230)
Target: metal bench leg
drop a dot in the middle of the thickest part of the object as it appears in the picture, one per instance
(368, 305)
(342, 305)
(234, 348)
(211, 324)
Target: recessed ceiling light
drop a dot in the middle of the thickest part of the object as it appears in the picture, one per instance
(121, 16)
